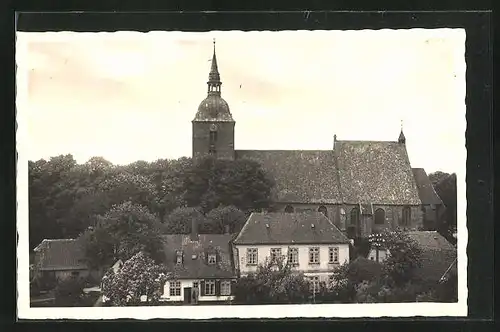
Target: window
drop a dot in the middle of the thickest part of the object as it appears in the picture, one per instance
(314, 284)
(178, 259)
(314, 255)
(252, 256)
(212, 259)
(289, 209)
(333, 255)
(355, 216)
(293, 256)
(379, 217)
(225, 287)
(406, 216)
(210, 287)
(275, 254)
(213, 136)
(322, 209)
(175, 288)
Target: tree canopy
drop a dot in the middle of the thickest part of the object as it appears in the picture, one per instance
(121, 233)
(66, 198)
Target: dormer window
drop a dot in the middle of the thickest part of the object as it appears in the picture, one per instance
(212, 259)
(178, 259)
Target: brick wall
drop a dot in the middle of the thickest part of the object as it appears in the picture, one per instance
(225, 139)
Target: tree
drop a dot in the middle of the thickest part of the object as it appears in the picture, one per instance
(123, 231)
(225, 216)
(49, 199)
(69, 292)
(403, 258)
(437, 177)
(138, 277)
(168, 176)
(446, 188)
(210, 183)
(274, 282)
(181, 219)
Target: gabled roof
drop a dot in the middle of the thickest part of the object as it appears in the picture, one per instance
(375, 172)
(437, 254)
(300, 176)
(425, 188)
(60, 254)
(289, 228)
(195, 264)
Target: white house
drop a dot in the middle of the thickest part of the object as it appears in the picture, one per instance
(202, 268)
(309, 241)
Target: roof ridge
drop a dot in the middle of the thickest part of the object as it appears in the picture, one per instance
(287, 150)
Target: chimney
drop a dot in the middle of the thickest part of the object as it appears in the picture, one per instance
(194, 230)
(334, 140)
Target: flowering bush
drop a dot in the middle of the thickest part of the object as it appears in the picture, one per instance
(138, 277)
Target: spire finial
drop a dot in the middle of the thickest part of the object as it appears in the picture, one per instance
(402, 138)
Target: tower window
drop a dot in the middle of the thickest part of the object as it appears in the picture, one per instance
(212, 140)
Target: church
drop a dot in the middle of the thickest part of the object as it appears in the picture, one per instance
(362, 186)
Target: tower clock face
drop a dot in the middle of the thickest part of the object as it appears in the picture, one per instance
(213, 127)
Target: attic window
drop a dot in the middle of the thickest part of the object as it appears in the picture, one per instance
(312, 226)
(212, 259)
(178, 259)
(267, 225)
(194, 256)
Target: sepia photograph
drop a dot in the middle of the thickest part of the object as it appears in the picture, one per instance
(225, 173)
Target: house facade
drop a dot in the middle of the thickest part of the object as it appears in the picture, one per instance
(202, 268)
(363, 187)
(308, 241)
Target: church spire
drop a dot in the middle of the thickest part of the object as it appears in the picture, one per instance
(402, 138)
(214, 82)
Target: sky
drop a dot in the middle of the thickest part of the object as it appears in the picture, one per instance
(129, 96)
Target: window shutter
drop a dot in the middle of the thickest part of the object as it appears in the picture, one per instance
(202, 287)
(217, 287)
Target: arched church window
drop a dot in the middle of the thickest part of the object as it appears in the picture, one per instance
(322, 209)
(379, 216)
(289, 209)
(406, 216)
(355, 216)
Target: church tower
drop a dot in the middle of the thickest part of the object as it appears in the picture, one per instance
(213, 124)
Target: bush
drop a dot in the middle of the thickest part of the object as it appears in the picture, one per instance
(69, 292)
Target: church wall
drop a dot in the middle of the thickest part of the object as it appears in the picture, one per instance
(225, 139)
(393, 218)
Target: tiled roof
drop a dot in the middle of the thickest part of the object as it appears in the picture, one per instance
(195, 253)
(60, 254)
(289, 228)
(300, 176)
(437, 254)
(425, 188)
(375, 172)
